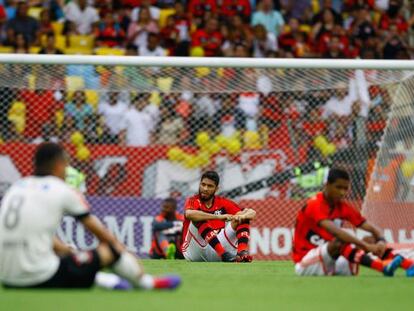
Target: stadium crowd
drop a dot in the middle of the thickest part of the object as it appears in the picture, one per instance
(150, 113)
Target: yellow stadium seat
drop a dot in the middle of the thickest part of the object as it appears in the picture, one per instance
(78, 51)
(78, 41)
(92, 98)
(34, 49)
(74, 83)
(164, 13)
(109, 51)
(60, 41)
(57, 28)
(6, 49)
(34, 12)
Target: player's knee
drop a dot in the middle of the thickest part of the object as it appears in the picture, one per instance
(108, 254)
(334, 248)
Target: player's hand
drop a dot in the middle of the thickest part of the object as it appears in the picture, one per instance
(239, 218)
(381, 247)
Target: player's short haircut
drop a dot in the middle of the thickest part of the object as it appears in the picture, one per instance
(337, 173)
(212, 175)
(46, 155)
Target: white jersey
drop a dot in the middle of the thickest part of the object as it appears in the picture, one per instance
(30, 214)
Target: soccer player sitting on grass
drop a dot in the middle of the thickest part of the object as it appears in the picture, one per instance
(322, 247)
(215, 228)
(31, 256)
(167, 228)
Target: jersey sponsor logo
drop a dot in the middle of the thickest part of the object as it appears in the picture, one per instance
(220, 211)
(315, 238)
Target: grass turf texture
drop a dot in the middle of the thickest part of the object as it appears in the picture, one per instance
(225, 286)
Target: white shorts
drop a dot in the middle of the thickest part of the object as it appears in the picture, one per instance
(318, 262)
(195, 248)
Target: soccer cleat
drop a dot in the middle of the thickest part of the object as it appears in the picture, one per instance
(227, 257)
(171, 250)
(167, 282)
(410, 272)
(389, 269)
(244, 256)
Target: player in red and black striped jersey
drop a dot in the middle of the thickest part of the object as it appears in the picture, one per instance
(166, 232)
(322, 247)
(215, 228)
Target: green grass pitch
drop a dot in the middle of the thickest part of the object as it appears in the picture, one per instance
(258, 286)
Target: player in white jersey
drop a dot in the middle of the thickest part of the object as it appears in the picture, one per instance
(30, 253)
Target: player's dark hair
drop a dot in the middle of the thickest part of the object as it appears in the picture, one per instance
(212, 175)
(337, 173)
(45, 156)
(171, 201)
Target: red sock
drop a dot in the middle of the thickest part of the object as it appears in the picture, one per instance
(208, 234)
(358, 256)
(243, 237)
(405, 264)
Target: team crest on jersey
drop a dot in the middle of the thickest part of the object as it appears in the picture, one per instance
(220, 211)
(315, 238)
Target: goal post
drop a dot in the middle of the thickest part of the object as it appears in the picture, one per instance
(142, 129)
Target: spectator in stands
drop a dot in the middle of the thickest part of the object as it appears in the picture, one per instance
(209, 38)
(152, 48)
(41, 106)
(45, 24)
(84, 16)
(239, 8)
(50, 47)
(78, 109)
(24, 24)
(393, 16)
(229, 118)
(340, 103)
(335, 48)
(176, 33)
(393, 44)
(170, 129)
(21, 46)
(112, 112)
(264, 43)
(109, 32)
(268, 17)
(153, 11)
(234, 38)
(137, 124)
(138, 31)
(198, 8)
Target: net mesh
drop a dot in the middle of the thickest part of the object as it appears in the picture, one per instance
(390, 195)
(141, 134)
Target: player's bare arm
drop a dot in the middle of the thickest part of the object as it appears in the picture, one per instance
(246, 214)
(61, 249)
(344, 236)
(95, 226)
(194, 215)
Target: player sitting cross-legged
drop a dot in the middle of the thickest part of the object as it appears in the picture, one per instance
(30, 254)
(322, 247)
(215, 228)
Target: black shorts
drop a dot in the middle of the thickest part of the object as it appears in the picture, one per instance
(75, 271)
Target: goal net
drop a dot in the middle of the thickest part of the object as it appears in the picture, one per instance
(141, 130)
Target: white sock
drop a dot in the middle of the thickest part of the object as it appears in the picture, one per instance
(107, 280)
(146, 282)
(127, 267)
